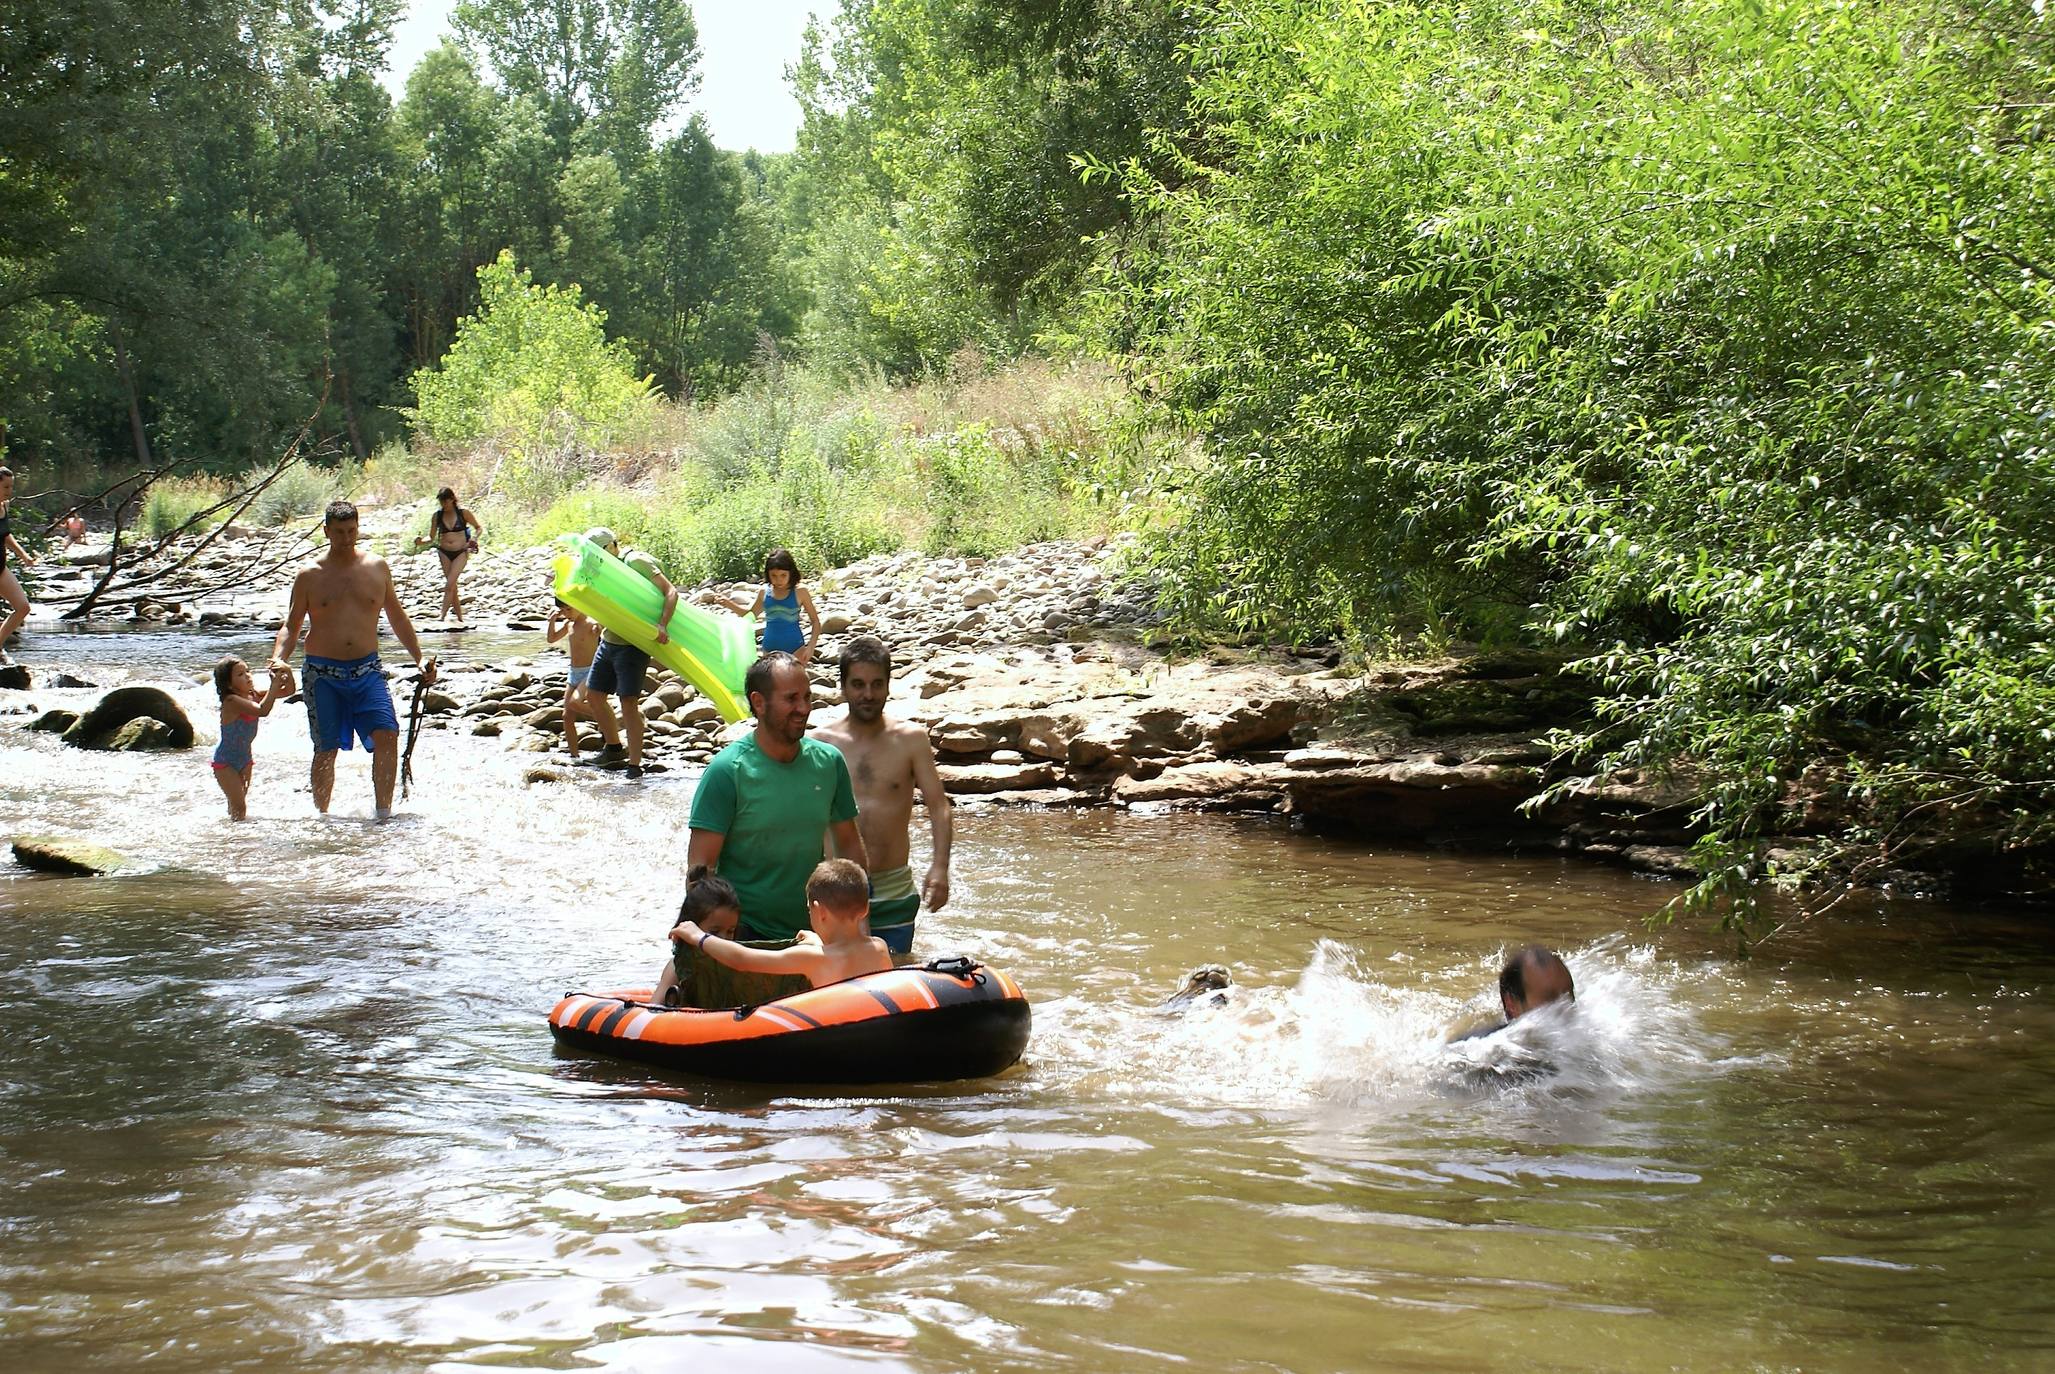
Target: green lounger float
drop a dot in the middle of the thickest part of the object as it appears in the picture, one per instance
(712, 652)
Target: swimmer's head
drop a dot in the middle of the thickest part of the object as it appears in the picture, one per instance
(1533, 977)
(604, 537)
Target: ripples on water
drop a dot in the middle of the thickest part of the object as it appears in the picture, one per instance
(289, 1098)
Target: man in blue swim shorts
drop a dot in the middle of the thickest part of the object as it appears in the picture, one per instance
(339, 599)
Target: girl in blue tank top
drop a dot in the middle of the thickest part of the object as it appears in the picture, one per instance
(781, 601)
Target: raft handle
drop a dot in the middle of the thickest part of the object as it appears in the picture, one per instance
(956, 966)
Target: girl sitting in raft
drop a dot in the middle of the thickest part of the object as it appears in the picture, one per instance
(839, 946)
(241, 709)
(781, 599)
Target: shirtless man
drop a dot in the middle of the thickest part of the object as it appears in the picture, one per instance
(888, 762)
(345, 687)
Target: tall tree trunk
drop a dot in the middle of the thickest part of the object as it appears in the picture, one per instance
(135, 409)
(349, 405)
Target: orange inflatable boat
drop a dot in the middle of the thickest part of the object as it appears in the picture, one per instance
(932, 1022)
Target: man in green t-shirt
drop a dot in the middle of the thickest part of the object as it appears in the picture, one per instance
(765, 802)
(620, 667)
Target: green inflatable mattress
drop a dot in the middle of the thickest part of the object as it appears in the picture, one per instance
(708, 650)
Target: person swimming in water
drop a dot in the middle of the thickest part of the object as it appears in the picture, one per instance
(1534, 977)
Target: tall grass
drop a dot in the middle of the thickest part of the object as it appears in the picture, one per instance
(836, 472)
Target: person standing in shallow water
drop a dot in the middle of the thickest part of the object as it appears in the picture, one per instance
(765, 804)
(339, 600)
(10, 586)
(454, 531)
(889, 761)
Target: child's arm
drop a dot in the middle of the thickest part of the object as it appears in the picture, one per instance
(813, 618)
(557, 628)
(243, 706)
(803, 958)
(19, 551)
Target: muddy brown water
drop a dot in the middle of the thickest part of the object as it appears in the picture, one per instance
(287, 1099)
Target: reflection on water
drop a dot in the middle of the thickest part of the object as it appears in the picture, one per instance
(289, 1097)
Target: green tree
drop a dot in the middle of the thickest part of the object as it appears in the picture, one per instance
(610, 69)
(534, 365)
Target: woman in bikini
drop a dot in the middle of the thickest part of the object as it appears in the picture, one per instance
(454, 531)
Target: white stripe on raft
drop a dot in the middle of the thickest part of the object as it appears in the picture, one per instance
(788, 1022)
(636, 1023)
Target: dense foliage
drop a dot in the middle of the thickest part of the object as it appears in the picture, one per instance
(1710, 341)
(212, 216)
(1715, 339)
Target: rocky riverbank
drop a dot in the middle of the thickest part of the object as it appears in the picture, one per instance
(1035, 676)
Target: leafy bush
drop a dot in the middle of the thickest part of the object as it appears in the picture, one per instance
(1711, 338)
(303, 489)
(532, 367)
(174, 500)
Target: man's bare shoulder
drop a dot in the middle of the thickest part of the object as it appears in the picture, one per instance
(835, 732)
(907, 733)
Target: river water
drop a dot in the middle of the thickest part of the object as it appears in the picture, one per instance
(287, 1098)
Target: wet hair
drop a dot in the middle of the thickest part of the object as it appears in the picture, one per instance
(6, 474)
(446, 494)
(864, 649)
(761, 674)
(705, 893)
(841, 886)
(224, 675)
(339, 511)
(1512, 979)
(781, 559)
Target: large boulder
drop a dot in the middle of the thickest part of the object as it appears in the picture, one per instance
(13, 677)
(73, 858)
(144, 732)
(54, 721)
(97, 728)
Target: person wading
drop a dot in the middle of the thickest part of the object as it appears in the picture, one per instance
(339, 600)
(765, 802)
(454, 531)
(889, 761)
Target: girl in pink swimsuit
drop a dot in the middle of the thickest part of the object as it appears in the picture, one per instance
(241, 709)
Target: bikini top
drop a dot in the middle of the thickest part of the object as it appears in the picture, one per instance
(462, 526)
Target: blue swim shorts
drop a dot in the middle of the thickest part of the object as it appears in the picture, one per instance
(580, 676)
(346, 698)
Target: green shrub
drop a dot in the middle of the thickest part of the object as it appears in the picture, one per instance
(174, 500)
(533, 367)
(302, 489)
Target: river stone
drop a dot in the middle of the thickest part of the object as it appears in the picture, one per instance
(487, 728)
(141, 733)
(54, 722)
(670, 696)
(14, 677)
(96, 728)
(74, 858)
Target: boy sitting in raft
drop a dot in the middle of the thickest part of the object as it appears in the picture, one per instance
(839, 946)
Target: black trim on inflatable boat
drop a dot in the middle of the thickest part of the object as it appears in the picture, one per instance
(969, 1040)
(593, 1012)
(891, 1007)
(612, 1023)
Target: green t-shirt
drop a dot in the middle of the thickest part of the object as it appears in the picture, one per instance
(775, 817)
(647, 566)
